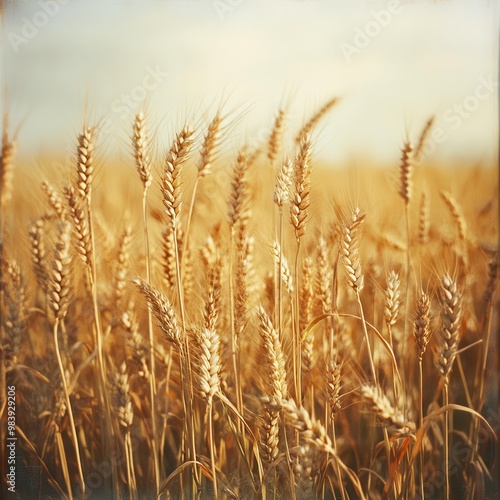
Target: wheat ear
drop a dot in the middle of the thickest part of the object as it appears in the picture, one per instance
(447, 348)
(314, 120)
(424, 220)
(141, 150)
(38, 252)
(208, 342)
(59, 293)
(300, 199)
(85, 162)
(171, 179)
(6, 167)
(392, 303)
(122, 406)
(55, 200)
(424, 135)
(14, 317)
(388, 415)
(422, 333)
(451, 317)
(140, 142)
(276, 136)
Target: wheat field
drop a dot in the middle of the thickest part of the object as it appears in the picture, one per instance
(219, 321)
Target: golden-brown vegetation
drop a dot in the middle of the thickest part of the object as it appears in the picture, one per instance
(255, 326)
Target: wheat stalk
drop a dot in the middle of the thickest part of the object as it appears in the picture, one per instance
(349, 250)
(300, 199)
(58, 289)
(171, 187)
(421, 330)
(122, 405)
(451, 317)
(392, 303)
(314, 120)
(276, 136)
(457, 215)
(6, 167)
(238, 189)
(38, 252)
(85, 162)
(424, 220)
(55, 200)
(283, 183)
(122, 265)
(59, 293)
(163, 311)
(213, 296)
(422, 333)
(447, 348)
(140, 143)
(424, 135)
(79, 219)
(286, 275)
(211, 144)
(274, 355)
(406, 173)
(15, 316)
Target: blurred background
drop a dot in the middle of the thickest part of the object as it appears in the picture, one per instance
(393, 64)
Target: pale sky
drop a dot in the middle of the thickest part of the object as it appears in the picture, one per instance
(393, 64)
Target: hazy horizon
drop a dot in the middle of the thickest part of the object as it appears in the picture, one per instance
(392, 64)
